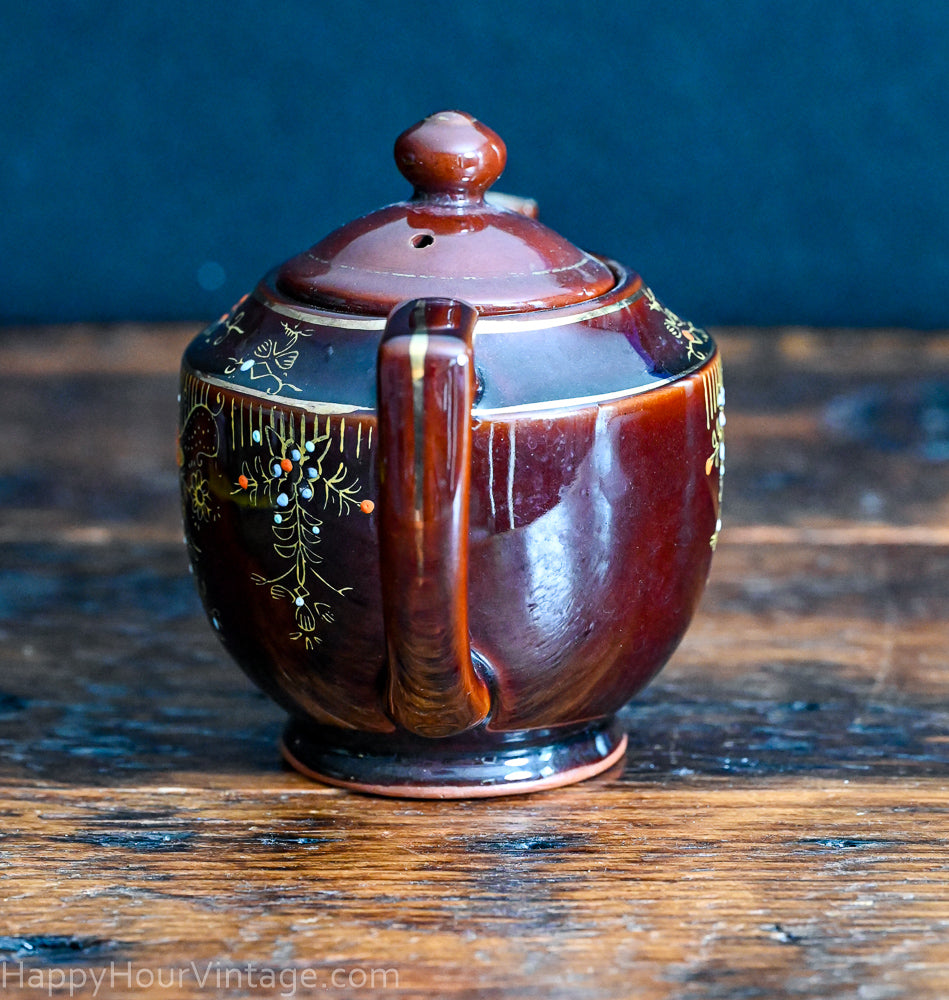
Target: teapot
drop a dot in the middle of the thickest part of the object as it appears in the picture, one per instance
(451, 487)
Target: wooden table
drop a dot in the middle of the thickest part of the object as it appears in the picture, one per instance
(777, 829)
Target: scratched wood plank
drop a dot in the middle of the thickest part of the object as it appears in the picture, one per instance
(698, 891)
(777, 829)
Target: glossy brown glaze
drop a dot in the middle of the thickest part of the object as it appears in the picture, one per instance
(455, 539)
(450, 157)
(447, 240)
(426, 390)
(480, 764)
(589, 544)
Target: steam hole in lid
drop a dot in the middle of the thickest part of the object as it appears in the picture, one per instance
(422, 240)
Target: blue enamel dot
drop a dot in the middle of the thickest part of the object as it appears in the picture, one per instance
(277, 471)
(256, 437)
(282, 499)
(306, 493)
(299, 602)
(277, 519)
(295, 455)
(316, 530)
(312, 473)
(310, 446)
(246, 366)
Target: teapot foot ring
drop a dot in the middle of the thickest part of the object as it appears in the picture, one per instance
(455, 768)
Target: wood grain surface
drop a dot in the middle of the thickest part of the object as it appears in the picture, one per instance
(778, 828)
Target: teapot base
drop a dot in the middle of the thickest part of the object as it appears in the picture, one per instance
(474, 765)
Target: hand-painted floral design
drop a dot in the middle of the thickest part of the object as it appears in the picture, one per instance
(695, 339)
(229, 325)
(297, 473)
(294, 468)
(198, 448)
(271, 359)
(198, 490)
(715, 423)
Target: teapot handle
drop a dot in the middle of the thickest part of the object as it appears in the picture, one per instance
(425, 394)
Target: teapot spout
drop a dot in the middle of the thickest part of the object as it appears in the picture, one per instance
(425, 394)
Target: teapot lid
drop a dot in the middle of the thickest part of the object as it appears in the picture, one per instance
(447, 240)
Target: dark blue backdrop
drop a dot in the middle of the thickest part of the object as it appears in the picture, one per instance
(759, 162)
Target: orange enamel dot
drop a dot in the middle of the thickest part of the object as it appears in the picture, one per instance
(286, 464)
(242, 482)
(367, 506)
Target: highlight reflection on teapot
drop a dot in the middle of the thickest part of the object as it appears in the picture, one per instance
(451, 487)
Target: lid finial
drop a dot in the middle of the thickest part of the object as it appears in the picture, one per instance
(447, 241)
(450, 156)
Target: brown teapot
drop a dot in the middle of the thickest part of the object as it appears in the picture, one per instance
(451, 487)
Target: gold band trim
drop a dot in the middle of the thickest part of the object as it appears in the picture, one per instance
(478, 412)
(485, 325)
